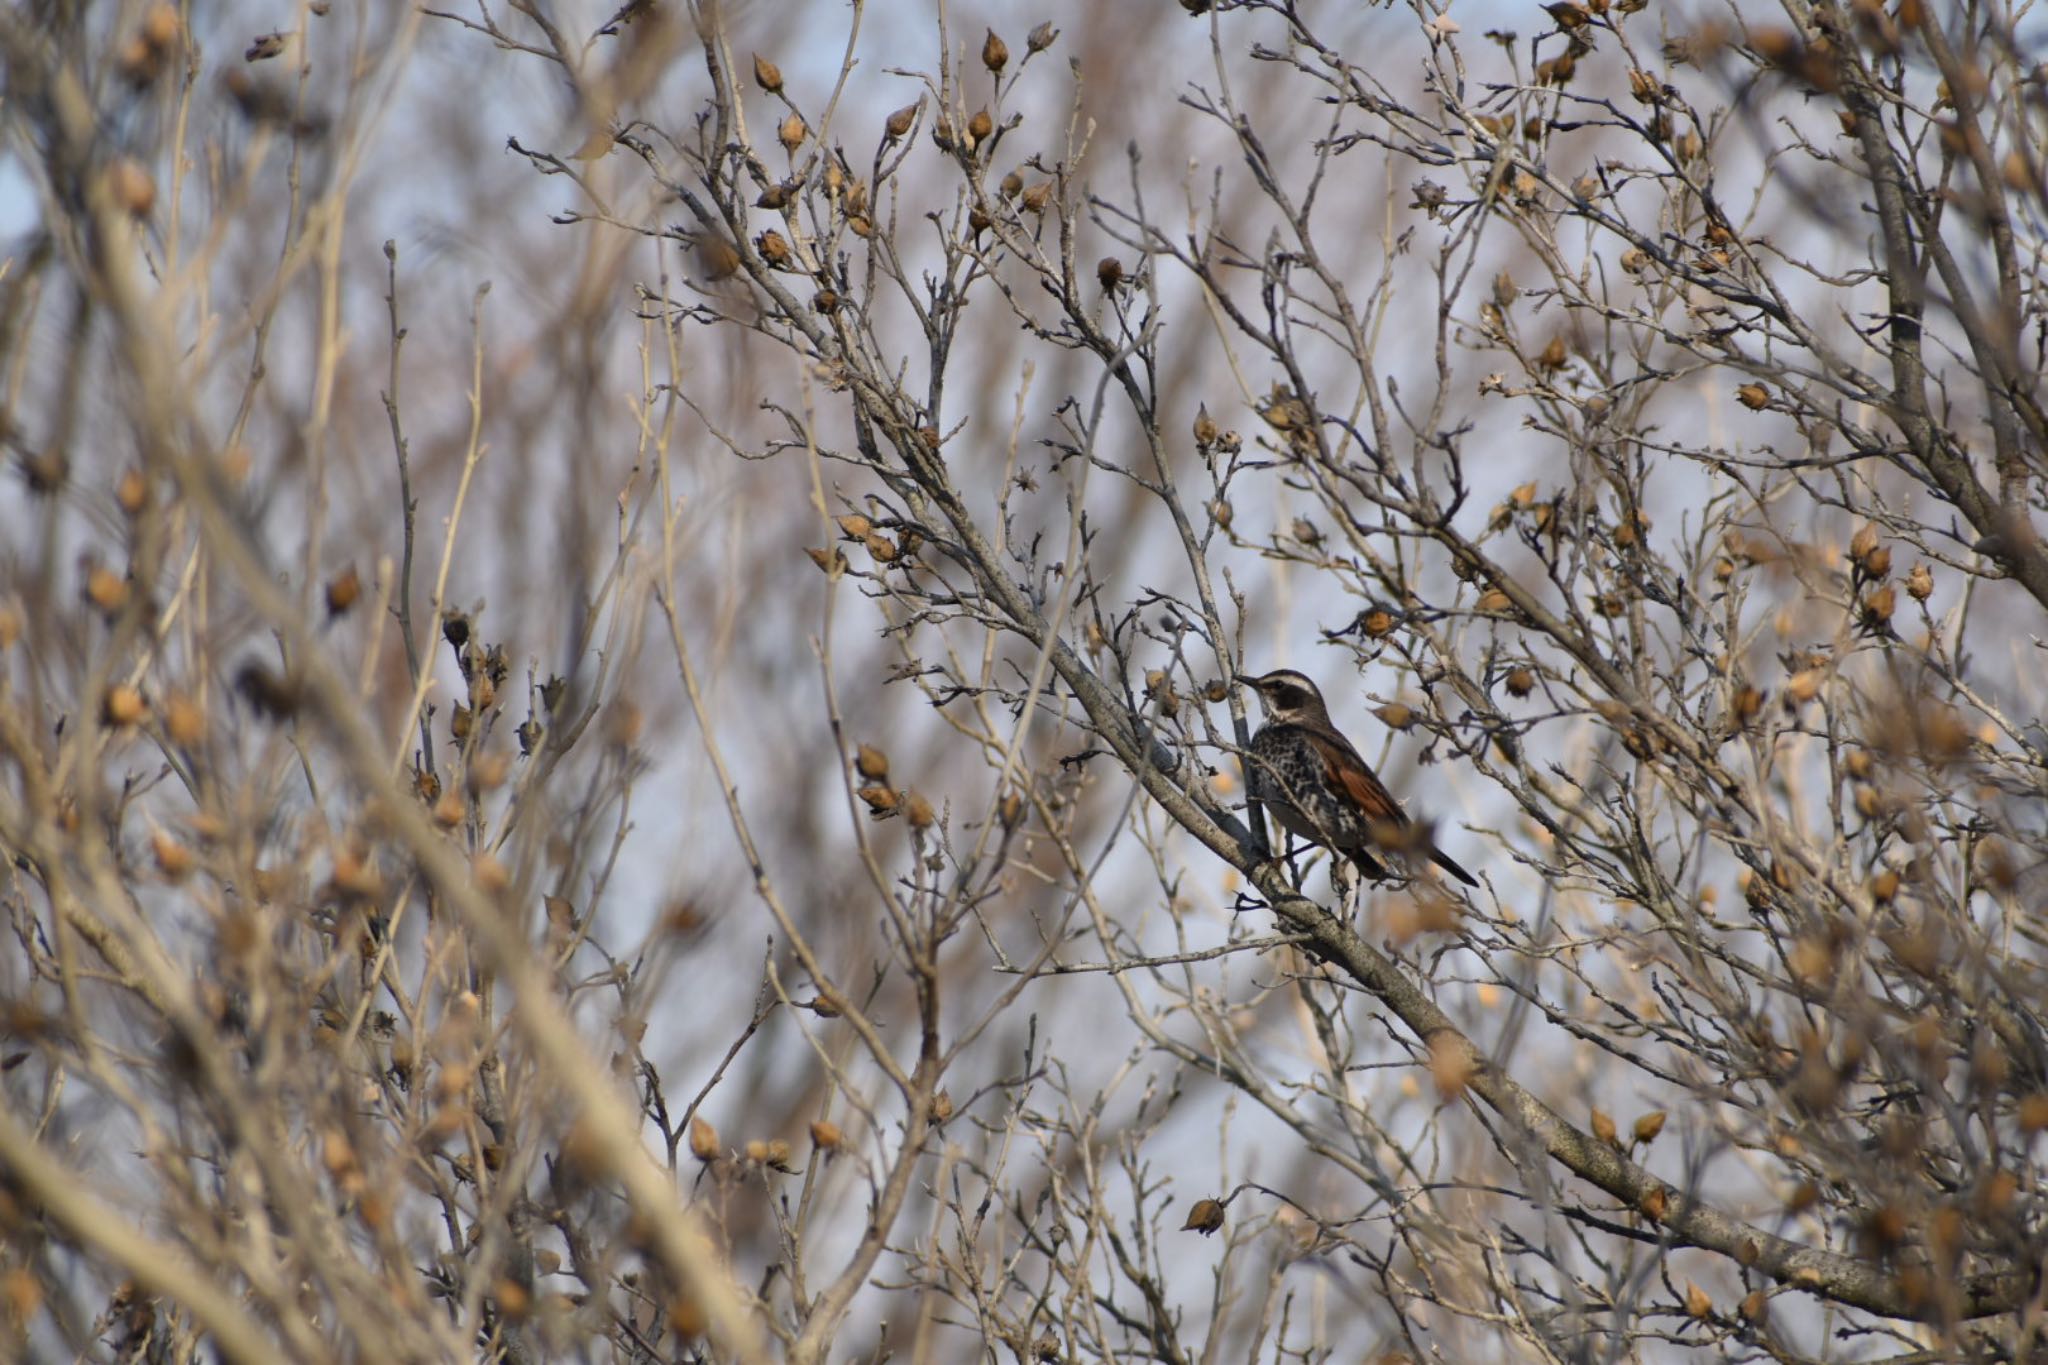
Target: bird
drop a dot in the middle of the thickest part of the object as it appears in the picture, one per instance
(1306, 773)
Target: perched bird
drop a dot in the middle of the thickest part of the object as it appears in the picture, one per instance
(1317, 786)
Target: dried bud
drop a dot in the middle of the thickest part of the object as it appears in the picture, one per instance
(1221, 513)
(825, 1136)
(131, 187)
(979, 128)
(703, 1139)
(1603, 1128)
(1753, 396)
(1110, 271)
(122, 706)
(918, 811)
(131, 494)
(342, 591)
(1037, 197)
(1920, 583)
(1878, 563)
(872, 763)
(995, 53)
(1042, 37)
(1553, 354)
(1205, 426)
(1396, 715)
(1649, 1125)
(881, 801)
(1878, 606)
(1205, 1217)
(792, 133)
(1521, 681)
(830, 560)
(899, 122)
(184, 722)
(880, 548)
(1697, 1304)
(767, 75)
(105, 589)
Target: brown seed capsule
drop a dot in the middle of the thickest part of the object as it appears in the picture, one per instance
(703, 1139)
(880, 548)
(1010, 809)
(1494, 600)
(1220, 512)
(792, 133)
(979, 128)
(1205, 426)
(1878, 563)
(1553, 354)
(1753, 396)
(1205, 1217)
(105, 589)
(1878, 606)
(1378, 622)
(1521, 681)
(899, 123)
(131, 494)
(1110, 271)
(342, 591)
(1603, 1127)
(881, 801)
(160, 26)
(184, 722)
(942, 1106)
(767, 74)
(122, 706)
(1649, 1125)
(774, 248)
(131, 187)
(826, 301)
(995, 53)
(918, 811)
(978, 220)
(825, 1135)
(1042, 37)
(861, 227)
(1037, 197)
(830, 560)
(717, 258)
(1396, 715)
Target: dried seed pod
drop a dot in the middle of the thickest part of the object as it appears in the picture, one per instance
(342, 591)
(825, 1136)
(1753, 396)
(122, 706)
(1377, 622)
(767, 75)
(792, 133)
(774, 248)
(995, 53)
(1110, 271)
(703, 1139)
(1521, 681)
(1205, 426)
(1042, 37)
(917, 810)
(1920, 583)
(881, 801)
(899, 123)
(1396, 715)
(1205, 1217)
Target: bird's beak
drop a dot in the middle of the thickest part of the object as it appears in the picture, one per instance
(1247, 679)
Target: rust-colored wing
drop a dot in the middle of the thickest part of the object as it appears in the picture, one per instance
(1349, 774)
(1385, 819)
